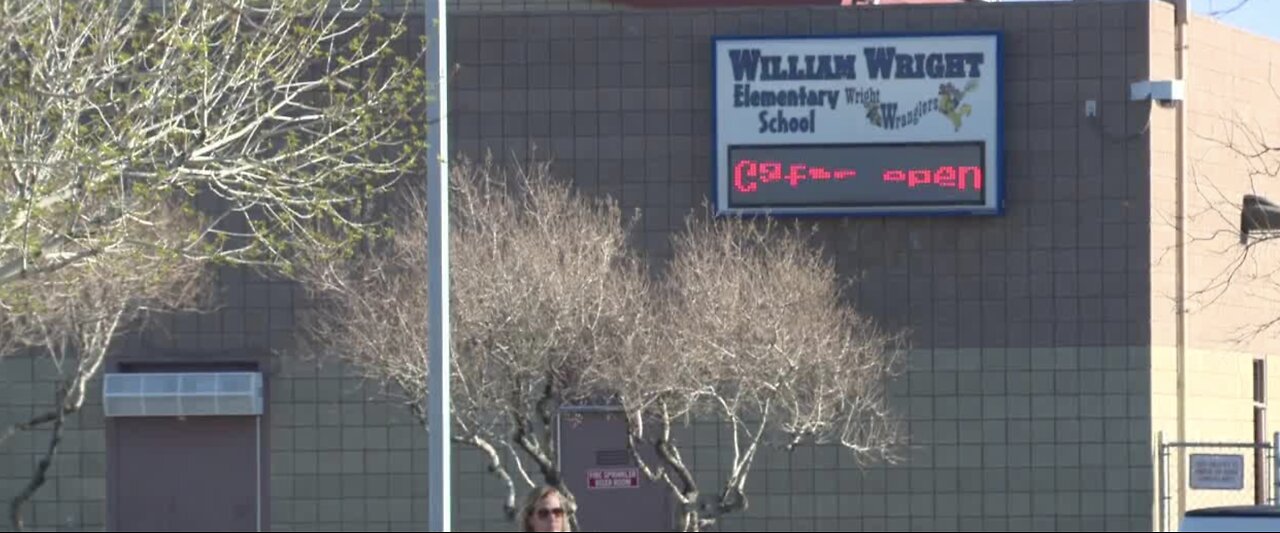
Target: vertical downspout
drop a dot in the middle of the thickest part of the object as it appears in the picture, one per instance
(1180, 44)
(257, 452)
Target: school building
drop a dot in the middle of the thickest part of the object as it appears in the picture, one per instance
(1007, 180)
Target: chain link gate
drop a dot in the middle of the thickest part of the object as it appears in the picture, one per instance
(1252, 486)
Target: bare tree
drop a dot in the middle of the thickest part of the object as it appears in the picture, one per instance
(70, 317)
(1231, 7)
(286, 114)
(756, 334)
(1240, 157)
(544, 287)
(142, 140)
(749, 326)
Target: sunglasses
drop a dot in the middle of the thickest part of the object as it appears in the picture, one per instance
(545, 513)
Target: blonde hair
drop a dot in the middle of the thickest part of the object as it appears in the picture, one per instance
(531, 501)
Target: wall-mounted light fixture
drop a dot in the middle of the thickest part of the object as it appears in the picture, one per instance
(1258, 215)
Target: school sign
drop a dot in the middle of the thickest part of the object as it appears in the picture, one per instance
(886, 125)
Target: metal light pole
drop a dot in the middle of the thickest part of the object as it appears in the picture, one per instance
(439, 460)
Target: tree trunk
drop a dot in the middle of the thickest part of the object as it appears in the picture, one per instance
(39, 477)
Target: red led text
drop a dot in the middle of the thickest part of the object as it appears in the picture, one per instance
(748, 175)
(953, 177)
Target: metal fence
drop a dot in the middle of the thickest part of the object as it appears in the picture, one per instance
(1214, 474)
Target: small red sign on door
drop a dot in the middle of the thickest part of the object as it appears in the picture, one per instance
(613, 478)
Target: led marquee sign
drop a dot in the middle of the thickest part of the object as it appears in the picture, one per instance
(858, 125)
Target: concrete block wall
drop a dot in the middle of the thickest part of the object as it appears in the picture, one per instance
(621, 104)
(74, 498)
(509, 6)
(343, 455)
(1028, 394)
(1032, 382)
(346, 457)
(1037, 438)
(342, 458)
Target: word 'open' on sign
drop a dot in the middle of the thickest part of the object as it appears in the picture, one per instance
(748, 175)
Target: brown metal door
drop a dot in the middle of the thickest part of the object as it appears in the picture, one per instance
(184, 474)
(612, 495)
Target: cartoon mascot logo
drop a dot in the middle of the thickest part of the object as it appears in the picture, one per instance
(950, 103)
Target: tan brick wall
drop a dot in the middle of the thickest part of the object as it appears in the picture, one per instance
(1230, 79)
(1219, 410)
(1234, 100)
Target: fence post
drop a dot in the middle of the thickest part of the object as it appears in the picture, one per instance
(1275, 468)
(1162, 487)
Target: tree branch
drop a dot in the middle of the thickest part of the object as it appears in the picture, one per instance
(38, 478)
(495, 467)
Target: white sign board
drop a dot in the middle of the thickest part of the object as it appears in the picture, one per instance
(858, 125)
(613, 478)
(1217, 472)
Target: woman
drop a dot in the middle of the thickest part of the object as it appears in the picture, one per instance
(544, 510)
